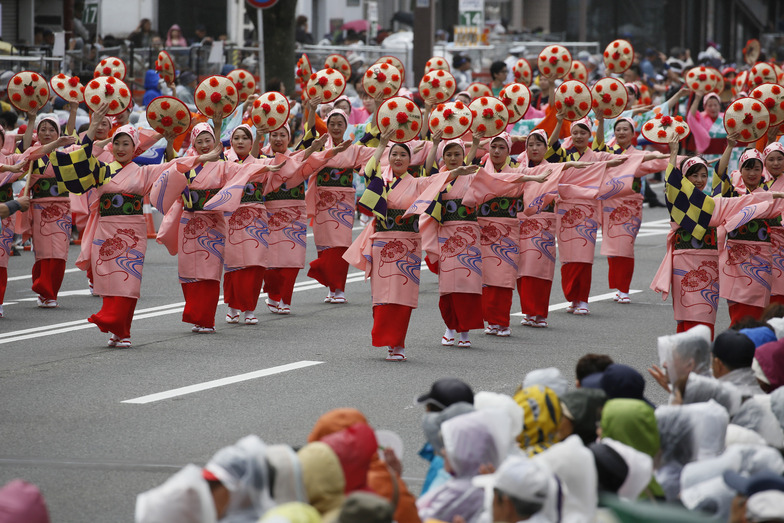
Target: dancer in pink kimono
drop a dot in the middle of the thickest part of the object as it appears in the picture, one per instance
(745, 261)
(537, 232)
(246, 250)
(12, 167)
(195, 199)
(579, 212)
(700, 224)
(707, 127)
(389, 249)
(331, 201)
(621, 202)
(48, 220)
(773, 155)
(115, 238)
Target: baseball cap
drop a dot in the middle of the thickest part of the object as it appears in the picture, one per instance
(765, 506)
(750, 485)
(447, 391)
(734, 348)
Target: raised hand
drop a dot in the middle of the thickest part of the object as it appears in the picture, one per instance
(615, 162)
(465, 169)
(342, 146)
(65, 141)
(274, 168)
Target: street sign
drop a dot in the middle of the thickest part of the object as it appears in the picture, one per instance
(261, 4)
(90, 13)
(472, 13)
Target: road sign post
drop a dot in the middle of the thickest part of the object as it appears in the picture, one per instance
(260, 5)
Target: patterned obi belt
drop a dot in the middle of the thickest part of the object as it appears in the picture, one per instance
(120, 204)
(455, 211)
(253, 193)
(395, 222)
(637, 185)
(502, 207)
(295, 193)
(335, 178)
(753, 231)
(6, 192)
(685, 240)
(198, 197)
(46, 188)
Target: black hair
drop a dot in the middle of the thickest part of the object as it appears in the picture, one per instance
(524, 509)
(694, 167)
(591, 364)
(496, 67)
(404, 146)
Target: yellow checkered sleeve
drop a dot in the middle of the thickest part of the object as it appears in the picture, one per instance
(374, 198)
(721, 184)
(688, 206)
(78, 171)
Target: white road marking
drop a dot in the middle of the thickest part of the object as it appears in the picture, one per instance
(222, 382)
(28, 276)
(592, 299)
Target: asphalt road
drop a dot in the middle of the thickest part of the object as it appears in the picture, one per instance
(66, 424)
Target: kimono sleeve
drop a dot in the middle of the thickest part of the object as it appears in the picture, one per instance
(78, 171)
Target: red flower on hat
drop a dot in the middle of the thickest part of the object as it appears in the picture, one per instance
(180, 114)
(606, 98)
(229, 90)
(499, 107)
(165, 105)
(748, 118)
(177, 129)
(649, 126)
(227, 108)
(322, 81)
(448, 112)
(703, 77)
(250, 84)
(201, 95)
(280, 109)
(666, 120)
(434, 122)
(29, 90)
(737, 106)
(583, 106)
(16, 97)
(499, 123)
(487, 113)
(339, 82)
(481, 128)
(449, 130)
(680, 130)
(769, 103)
(266, 108)
(214, 82)
(114, 104)
(440, 95)
(761, 125)
(662, 133)
(745, 134)
(166, 121)
(109, 89)
(414, 125)
(400, 134)
(553, 60)
(756, 107)
(409, 106)
(569, 101)
(17, 80)
(558, 104)
(520, 101)
(426, 92)
(256, 119)
(33, 104)
(731, 122)
(571, 115)
(208, 111)
(564, 88)
(463, 120)
(107, 70)
(124, 92)
(95, 100)
(385, 121)
(616, 55)
(608, 112)
(402, 117)
(393, 105)
(459, 105)
(215, 98)
(381, 77)
(369, 73)
(578, 89)
(435, 82)
(507, 101)
(73, 94)
(73, 81)
(271, 121)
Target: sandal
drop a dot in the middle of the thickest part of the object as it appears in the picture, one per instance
(329, 298)
(504, 333)
(396, 356)
(527, 321)
(206, 330)
(491, 330)
(124, 343)
(339, 299)
(250, 318)
(571, 308)
(581, 311)
(284, 309)
(272, 305)
(112, 341)
(540, 323)
(233, 316)
(464, 344)
(447, 342)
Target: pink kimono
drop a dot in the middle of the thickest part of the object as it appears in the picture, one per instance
(390, 252)
(777, 246)
(693, 268)
(197, 234)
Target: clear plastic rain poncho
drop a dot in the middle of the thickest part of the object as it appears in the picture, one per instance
(688, 433)
(702, 484)
(700, 389)
(640, 469)
(490, 401)
(575, 466)
(288, 486)
(549, 377)
(471, 440)
(777, 405)
(756, 413)
(432, 421)
(242, 469)
(184, 498)
(685, 352)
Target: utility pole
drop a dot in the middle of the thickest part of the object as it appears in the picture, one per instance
(424, 29)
